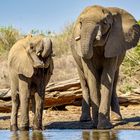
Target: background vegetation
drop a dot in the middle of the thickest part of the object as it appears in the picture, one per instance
(63, 61)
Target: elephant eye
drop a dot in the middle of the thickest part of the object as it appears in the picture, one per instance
(31, 46)
(42, 47)
(80, 24)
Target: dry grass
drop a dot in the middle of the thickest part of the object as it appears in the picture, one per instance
(4, 79)
(61, 41)
(8, 36)
(64, 68)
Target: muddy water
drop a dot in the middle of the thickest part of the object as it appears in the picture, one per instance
(71, 135)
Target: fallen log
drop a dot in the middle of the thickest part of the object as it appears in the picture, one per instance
(5, 94)
(64, 85)
(63, 93)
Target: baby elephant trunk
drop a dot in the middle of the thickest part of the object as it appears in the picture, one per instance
(47, 50)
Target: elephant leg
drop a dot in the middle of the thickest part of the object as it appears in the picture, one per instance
(24, 94)
(15, 106)
(93, 83)
(115, 114)
(23, 135)
(39, 101)
(107, 79)
(94, 97)
(85, 116)
(33, 103)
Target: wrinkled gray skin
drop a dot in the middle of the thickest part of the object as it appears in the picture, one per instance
(100, 39)
(30, 68)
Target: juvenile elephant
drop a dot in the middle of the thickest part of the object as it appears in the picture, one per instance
(30, 67)
(100, 39)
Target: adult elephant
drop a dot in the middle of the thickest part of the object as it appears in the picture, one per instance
(100, 39)
(30, 67)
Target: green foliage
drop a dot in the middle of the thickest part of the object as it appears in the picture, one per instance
(38, 32)
(8, 36)
(132, 61)
(127, 88)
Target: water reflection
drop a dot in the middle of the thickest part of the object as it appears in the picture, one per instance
(37, 136)
(65, 134)
(99, 135)
(26, 135)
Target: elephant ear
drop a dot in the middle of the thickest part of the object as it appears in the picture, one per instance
(20, 61)
(76, 36)
(124, 34)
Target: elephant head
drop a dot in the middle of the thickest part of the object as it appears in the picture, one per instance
(29, 53)
(38, 49)
(113, 28)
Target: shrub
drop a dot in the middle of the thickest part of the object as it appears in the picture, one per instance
(131, 62)
(8, 36)
(62, 41)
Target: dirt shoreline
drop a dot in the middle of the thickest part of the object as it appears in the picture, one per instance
(69, 119)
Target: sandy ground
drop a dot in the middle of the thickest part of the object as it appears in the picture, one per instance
(64, 119)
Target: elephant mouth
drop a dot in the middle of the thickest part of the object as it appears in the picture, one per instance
(103, 38)
(108, 32)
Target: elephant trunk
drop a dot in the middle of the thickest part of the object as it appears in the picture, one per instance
(47, 44)
(87, 39)
(133, 36)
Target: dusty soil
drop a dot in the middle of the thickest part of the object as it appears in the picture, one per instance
(70, 118)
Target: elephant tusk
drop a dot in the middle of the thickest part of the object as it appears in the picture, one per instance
(99, 34)
(98, 37)
(38, 54)
(77, 38)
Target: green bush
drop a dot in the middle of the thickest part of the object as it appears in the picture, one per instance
(131, 62)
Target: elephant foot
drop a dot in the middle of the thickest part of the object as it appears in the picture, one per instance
(104, 123)
(37, 125)
(24, 128)
(36, 128)
(13, 127)
(85, 118)
(94, 123)
(116, 116)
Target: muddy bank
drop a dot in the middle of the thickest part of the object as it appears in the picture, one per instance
(69, 119)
